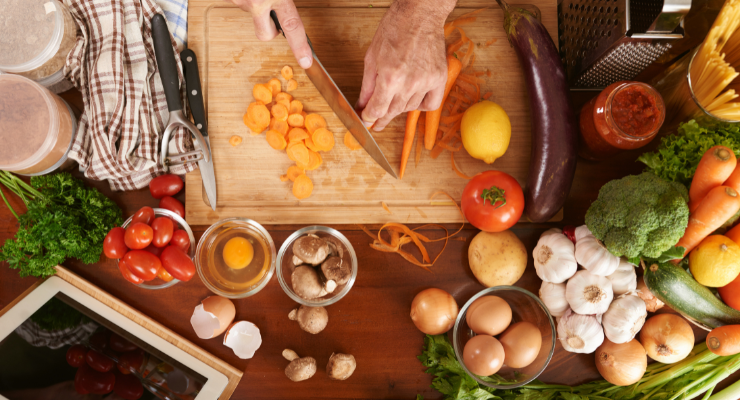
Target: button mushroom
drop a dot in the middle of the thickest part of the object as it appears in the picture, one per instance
(311, 249)
(334, 268)
(307, 283)
(341, 366)
(299, 369)
(311, 319)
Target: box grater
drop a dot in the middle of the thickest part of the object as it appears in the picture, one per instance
(605, 41)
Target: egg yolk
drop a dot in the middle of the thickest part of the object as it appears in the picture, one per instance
(238, 253)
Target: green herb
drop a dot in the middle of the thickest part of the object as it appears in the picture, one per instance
(57, 315)
(678, 155)
(65, 219)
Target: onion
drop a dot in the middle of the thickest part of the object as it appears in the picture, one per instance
(434, 311)
(621, 364)
(667, 338)
(652, 303)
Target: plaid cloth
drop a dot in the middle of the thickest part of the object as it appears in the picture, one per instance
(176, 13)
(37, 337)
(114, 66)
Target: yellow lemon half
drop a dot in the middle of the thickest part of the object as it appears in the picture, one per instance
(716, 261)
(486, 131)
(238, 252)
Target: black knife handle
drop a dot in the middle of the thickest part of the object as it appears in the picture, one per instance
(274, 17)
(195, 93)
(166, 62)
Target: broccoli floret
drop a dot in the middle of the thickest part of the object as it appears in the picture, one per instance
(639, 215)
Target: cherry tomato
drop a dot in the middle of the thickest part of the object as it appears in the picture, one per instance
(570, 232)
(95, 382)
(165, 185)
(138, 236)
(99, 340)
(163, 228)
(177, 263)
(76, 355)
(145, 215)
(119, 344)
(164, 275)
(127, 274)
(99, 361)
(114, 245)
(181, 239)
(130, 360)
(172, 204)
(143, 264)
(128, 387)
(78, 381)
(493, 201)
(157, 251)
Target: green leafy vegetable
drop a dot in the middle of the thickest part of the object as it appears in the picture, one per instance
(65, 219)
(57, 315)
(674, 253)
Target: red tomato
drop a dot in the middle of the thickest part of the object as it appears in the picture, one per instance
(99, 361)
(157, 251)
(165, 185)
(130, 360)
(127, 274)
(143, 264)
(138, 236)
(128, 387)
(163, 228)
(99, 340)
(493, 201)
(164, 275)
(95, 382)
(114, 245)
(78, 381)
(177, 263)
(145, 215)
(172, 204)
(76, 355)
(119, 344)
(181, 239)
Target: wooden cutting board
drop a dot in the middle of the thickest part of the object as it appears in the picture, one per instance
(349, 187)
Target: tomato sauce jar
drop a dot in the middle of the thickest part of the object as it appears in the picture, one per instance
(624, 116)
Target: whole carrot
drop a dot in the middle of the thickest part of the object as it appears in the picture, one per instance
(734, 180)
(715, 167)
(432, 118)
(408, 140)
(715, 209)
(724, 340)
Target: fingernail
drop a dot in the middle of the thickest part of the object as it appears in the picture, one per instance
(367, 124)
(304, 62)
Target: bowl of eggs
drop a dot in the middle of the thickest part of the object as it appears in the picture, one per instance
(504, 337)
(235, 258)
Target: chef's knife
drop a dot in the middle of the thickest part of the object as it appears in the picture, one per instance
(195, 99)
(339, 104)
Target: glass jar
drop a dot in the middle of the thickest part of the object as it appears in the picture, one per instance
(624, 116)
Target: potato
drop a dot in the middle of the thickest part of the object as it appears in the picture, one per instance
(497, 258)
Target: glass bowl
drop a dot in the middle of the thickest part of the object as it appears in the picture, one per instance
(285, 266)
(180, 223)
(227, 282)
(524, 307)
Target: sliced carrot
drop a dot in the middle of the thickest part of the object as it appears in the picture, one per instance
(295, 120)
(275, 85)
(454, 167)
(309, 143)
(304, 115)
(313, 122)
(284, 178)
(285, 103)
(262, 93)
(715, 167)
(296, 107)
(451, 118)
(323, 139)
(466, 58)
(294, 171)
(715, 209)
(351, 142)
(487, 95)
(455, 47)
(463, 36)
(298, 153)
(287, 72)
(491, 41)
(235, 140)
(284, 96)
(292, 85)
(297, 135)
(314, 160)
(279, 125)
(253, 126)
(276, 140)
(259, 114)
(386, 208)
(302, 187)
(279, 112)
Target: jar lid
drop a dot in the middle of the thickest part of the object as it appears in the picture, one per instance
(30, 33)
(29, 122)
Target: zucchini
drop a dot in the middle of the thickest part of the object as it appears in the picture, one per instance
(675, 287)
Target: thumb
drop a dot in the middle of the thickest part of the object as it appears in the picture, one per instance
(295, 33)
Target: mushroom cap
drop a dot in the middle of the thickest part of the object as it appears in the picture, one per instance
(301, 369)
(306, 282)
(311, 319)
(334, 268)
(311, 249)
(341, 366)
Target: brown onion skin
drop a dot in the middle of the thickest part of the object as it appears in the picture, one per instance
(434, 311)
(614, 362)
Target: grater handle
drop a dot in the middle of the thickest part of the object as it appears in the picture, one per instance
(670, 17)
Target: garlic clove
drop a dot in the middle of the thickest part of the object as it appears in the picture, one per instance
(553, 295)
(589, 294)
(593, 255)
(554, 257)
(580, 333)
(624, 318)
(624, 279)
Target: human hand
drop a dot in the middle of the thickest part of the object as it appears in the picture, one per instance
(405, 66)
(289, 20)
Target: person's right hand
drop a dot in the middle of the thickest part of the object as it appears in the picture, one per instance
(289, 20)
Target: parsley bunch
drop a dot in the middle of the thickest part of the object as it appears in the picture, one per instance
(65, 219)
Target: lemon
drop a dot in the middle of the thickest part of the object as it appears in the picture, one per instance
(715, 262)
(238, 252)
(486, 131)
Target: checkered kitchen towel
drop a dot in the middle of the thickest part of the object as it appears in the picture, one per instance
(114, 66)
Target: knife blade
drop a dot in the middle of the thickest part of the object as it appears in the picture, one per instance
(341, 107)
(197, 109)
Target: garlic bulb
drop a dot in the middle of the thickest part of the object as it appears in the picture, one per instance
(580, 333)
(553, 295)
(588, 293)
(551, 231)
(554, 257)
(624, 318)
(624, 279)
(593, 255)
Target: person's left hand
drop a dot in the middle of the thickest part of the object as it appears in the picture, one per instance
(405, 66)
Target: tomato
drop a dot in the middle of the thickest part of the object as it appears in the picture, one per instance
(76, 355)
(172, 204)
(128, 387)
(130, 360)
(95, 382)
(127, 274)
(177, 263)
(99, 361)
(143, 264)
(165, 185)
(163, 228)
(138, 236)
(99, 340)
(78, 381)
(114, 245)
(731, 293)
(493, 201)
(119, 344)
(157, 251)
(145, 215)
(181, 239)
(164, 275)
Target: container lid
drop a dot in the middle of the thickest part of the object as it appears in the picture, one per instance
(30, 33)
(29, 122)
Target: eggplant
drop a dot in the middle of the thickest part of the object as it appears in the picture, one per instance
(554, 129)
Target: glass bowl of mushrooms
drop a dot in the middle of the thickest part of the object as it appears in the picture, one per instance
(316, 266)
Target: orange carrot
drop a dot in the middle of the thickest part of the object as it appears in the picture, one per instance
(724, 340)
(323, 139)
(279, 112)
(408, 140)
(309, 143)
(716, 165)
(302, 187)
(259, 114)
(294, 171)
(299, 153)
(279, 125)
(734, 180)
(734, 233)
(295, 120)
(715, 209)
(314, 160)
(262, 93)
(297, 135)
(287, 72)
(235, 140)
(313, 122)
(296, 107)
(275, 86)
(282, 96)
(292, 85)
(432, 118)
(351, 142)
(276, 140)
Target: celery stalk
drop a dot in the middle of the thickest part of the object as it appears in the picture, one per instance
(731, 392)
(725, 370)
(678, 369)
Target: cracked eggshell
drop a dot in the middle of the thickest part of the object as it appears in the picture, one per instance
(244, 338)
(212, 316)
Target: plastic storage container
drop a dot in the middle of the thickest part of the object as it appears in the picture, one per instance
(36, 128)
(35, 38)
